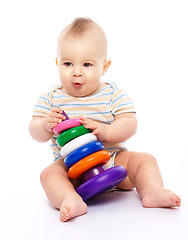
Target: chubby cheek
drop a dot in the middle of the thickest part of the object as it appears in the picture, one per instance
(64, 76)
(94, 76)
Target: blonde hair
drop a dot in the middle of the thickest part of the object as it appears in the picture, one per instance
(80, 26)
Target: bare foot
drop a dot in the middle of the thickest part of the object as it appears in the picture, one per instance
(160, 197)
(72, 206)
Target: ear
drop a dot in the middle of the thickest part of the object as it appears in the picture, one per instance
(56, 60)
(106, 66)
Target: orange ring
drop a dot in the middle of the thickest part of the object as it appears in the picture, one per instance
(88, 162)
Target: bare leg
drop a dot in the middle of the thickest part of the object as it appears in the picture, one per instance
(144, 174)
(60, 191)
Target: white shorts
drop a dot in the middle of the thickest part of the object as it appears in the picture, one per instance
(110, 163)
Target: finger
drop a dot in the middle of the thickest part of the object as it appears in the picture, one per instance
(90, 126)
(82, 118)
(86, 121)
(96, 132)
(56, 109)
(57, 115)
(51, 126)
(55, 120)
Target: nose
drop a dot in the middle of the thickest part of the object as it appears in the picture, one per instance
(77, 71)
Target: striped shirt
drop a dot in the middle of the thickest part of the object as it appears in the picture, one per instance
(102, 107)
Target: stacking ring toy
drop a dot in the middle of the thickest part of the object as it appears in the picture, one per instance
(77, 143)
(82, 152)
(102, 182)
(88, 162)
(92, 172)
(85, 158)
(64, 125)
(70, 134)
(66, 116)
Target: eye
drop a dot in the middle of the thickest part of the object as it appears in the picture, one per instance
(67, 64)
(87, 64)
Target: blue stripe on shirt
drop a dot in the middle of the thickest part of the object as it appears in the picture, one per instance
(39, 106)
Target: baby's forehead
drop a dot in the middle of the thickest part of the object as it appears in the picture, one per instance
(89, 34)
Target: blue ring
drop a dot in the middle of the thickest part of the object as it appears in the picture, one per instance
(82, 152)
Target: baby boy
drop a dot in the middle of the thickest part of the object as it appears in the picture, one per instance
(101, 107)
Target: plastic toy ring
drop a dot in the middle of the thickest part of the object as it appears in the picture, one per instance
(102, 182)
(64, 113)
(82, 152)
(92, 172)
(77, 143)
(66, 124)
(70, 134)
(88, 162)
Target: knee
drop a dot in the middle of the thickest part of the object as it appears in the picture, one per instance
(147, 158)
(48, 172)
(51, 171)
(45, 174)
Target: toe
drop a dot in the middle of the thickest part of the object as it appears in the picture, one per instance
(176, 201)
(64, 215)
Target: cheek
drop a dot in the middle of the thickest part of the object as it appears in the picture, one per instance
(94, 75)
(64, 74)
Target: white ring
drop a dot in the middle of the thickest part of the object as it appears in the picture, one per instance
(77, 143)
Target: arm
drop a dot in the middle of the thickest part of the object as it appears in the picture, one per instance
(123, 127)
(41, 128)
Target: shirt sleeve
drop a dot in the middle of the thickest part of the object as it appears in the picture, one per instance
(121, 103)
(43, 105)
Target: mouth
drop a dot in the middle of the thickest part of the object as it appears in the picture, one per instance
(77, 85)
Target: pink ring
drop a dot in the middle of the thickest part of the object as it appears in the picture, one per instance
(64, 125)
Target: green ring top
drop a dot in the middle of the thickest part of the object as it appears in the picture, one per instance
(70, 134)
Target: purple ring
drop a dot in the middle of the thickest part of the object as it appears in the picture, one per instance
(102, 182)
(64, 113)
(92, 172)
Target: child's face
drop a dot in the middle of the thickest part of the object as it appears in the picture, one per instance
(81, 63)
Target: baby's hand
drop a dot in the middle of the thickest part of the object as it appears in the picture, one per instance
(99, 130)
(53, 118)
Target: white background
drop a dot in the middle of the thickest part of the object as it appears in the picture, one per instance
(149, 52)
